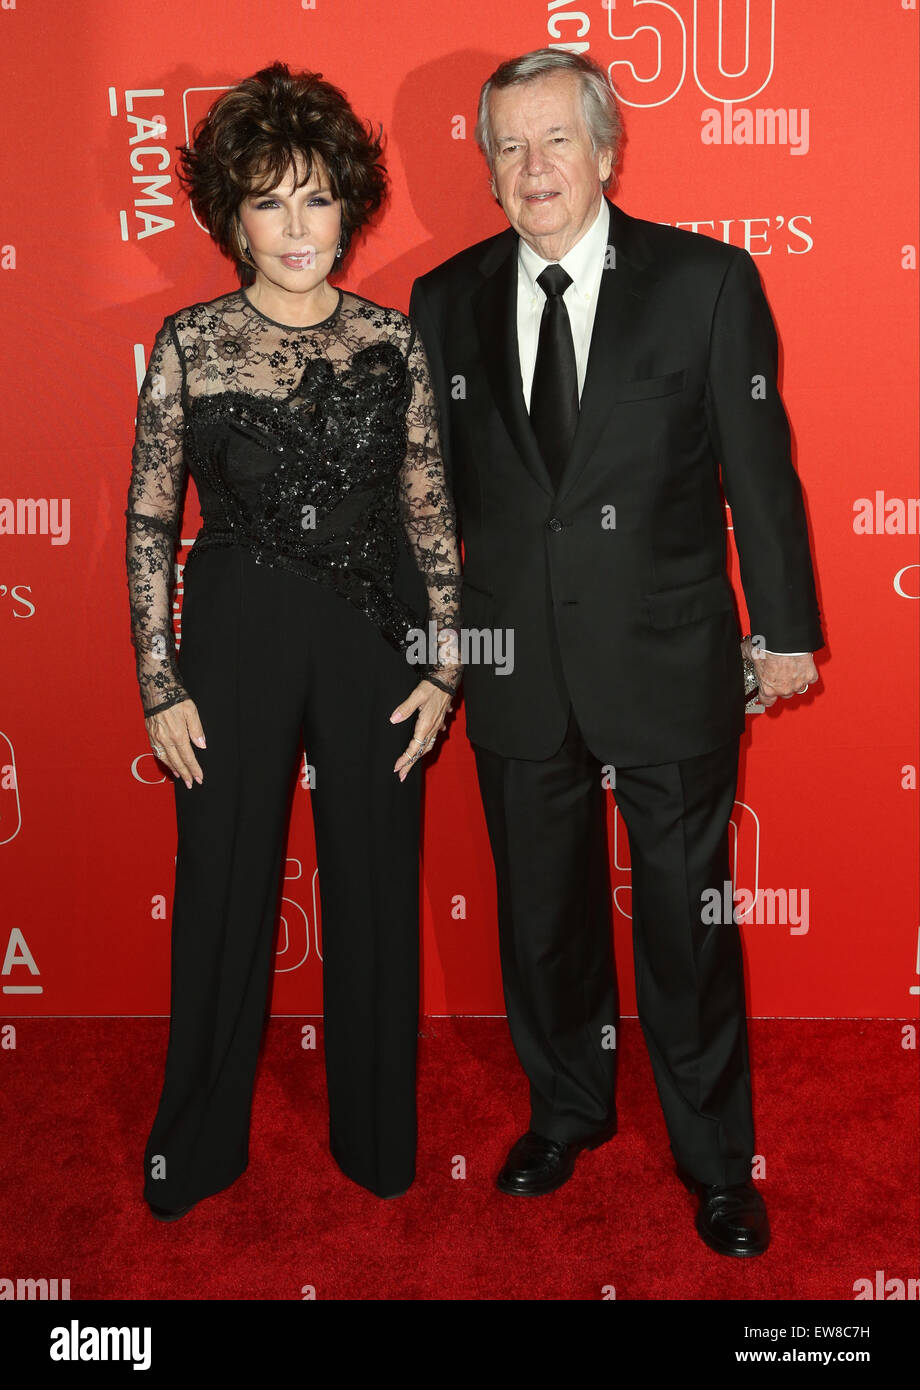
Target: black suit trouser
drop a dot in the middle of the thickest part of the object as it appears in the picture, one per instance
(547, 828)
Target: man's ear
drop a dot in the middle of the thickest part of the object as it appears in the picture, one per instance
(493, 188)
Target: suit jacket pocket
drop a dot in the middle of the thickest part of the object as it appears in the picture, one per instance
(648, 387)
(476, 606)
(689, 603)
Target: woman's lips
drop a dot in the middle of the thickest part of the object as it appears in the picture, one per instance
(298, 262)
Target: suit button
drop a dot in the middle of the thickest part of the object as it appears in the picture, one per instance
(554, 524)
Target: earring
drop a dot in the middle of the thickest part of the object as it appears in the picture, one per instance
(338, 249)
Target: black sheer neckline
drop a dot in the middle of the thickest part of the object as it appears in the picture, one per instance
(335, 421)
(293, 327)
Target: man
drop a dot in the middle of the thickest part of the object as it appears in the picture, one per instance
(596, 373)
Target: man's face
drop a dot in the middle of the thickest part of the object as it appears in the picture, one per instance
(545, 174)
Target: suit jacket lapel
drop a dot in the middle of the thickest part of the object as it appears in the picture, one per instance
(625, 284)
(495, 311)
(626, 280)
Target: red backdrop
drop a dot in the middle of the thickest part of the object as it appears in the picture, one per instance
(97, 244)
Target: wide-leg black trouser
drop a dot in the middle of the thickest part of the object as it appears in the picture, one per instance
(269, 657)
(546, 823)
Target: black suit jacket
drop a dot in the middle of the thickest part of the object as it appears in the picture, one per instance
(614, 586)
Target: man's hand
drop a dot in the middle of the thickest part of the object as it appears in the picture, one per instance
(780, 677)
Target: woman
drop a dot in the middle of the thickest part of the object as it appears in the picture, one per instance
(306, 417)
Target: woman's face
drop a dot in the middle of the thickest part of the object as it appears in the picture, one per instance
(293, 233)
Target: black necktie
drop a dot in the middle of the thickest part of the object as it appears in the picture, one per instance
(554, 395)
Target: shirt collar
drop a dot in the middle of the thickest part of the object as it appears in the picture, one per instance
(581, 262)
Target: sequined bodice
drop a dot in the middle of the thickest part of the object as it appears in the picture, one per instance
(316, 448)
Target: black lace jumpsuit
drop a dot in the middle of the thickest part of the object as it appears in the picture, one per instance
(327, 522)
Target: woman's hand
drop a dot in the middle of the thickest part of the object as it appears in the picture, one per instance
(432, 705)
(172, 733)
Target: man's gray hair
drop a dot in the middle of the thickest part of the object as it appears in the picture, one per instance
(599, 104)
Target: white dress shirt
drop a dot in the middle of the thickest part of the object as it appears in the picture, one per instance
(584, 262)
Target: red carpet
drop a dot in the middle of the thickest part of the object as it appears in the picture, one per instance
(835, 1100)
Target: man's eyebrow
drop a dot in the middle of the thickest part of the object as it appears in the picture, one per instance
(553, 130)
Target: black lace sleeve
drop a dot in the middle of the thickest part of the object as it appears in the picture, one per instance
(154, 515)
(429, 518)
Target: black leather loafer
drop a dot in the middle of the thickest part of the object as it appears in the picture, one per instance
(731, 1218)
(536, 1164)
(169, 1214)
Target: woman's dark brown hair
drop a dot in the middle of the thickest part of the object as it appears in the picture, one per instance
(256, 131)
